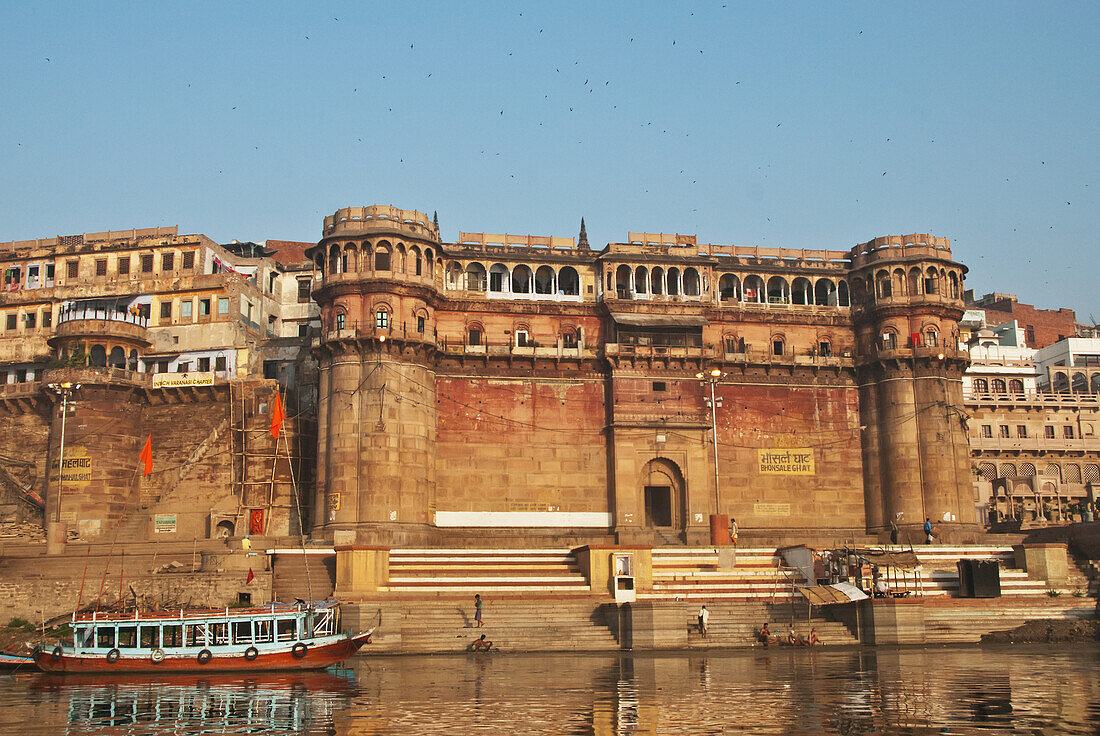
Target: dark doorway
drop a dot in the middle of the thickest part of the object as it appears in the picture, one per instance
(658, 505)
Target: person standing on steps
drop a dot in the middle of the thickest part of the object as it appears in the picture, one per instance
(928, 531)
(733, 531)
(477, 611)
(893, 531)
(704, 619)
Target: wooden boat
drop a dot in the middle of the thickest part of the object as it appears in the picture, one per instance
(11, 662)
(275, 637)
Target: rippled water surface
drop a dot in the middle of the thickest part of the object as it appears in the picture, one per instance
(1026, 690)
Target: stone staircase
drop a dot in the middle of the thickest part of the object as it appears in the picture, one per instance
(734, 623)
(694, 574)
(965, 620)
(513, 625)
(289, 577)
(496, 572)
(939, 575)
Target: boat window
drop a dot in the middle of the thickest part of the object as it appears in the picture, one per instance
(105, 636)
(219, 633)
(287, 630)
(127, 637)
(87, 636)
(194, 635)
(149, 636)
(242, 632)
(263, 631)
(171, 636)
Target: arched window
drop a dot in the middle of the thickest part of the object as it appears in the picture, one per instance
(931, 337)
(428, 262)
(691, 282)
(980, 386)
(382, 258)
(1095, 383)
(657, 281)
(569, 283)
(915, 282)
(1027, 470)
(779, 291)
(98, 357)
(521, 280)
(988, 471)
(523, 336)
(500, 280)
(885, 288)
(568, 337)
(475, 277)
(729, 288)
(1015, 386)
(382, 318)
(1080, 383)
(1092, 474)
(544, 280)
(825, 294)
(133, 360)
(997, 385)
(334, 259)
(641, 280)
(1072, 473)
(418, 263)
(474, 333)
(844, 299)
(399, 262)
(754, 289)
(1060, 383)
(117, 358)
(932, 282)
(801, 291)
(897, 281)
(453, 275)
(623, 277)
(1008, 470)
(889, 339)
(341, 319)
(954, 285)
(779, 345)
(1052, 471)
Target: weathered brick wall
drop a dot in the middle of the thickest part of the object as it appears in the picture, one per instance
(514, 444)
(24, 439)
(1050, 325)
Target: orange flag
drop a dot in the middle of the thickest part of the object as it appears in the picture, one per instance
(147, 455)
(250, 576)
(277, 416)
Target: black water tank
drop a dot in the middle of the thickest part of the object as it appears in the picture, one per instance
(979, 579)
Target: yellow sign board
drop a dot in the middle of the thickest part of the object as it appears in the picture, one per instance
(771, 509)
(76, 467)
(787, 461)
(178, 380)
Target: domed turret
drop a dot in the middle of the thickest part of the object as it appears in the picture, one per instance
(906, 307)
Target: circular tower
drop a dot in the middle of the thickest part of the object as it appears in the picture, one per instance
(378, 290)
(96, 434)
(906, 307)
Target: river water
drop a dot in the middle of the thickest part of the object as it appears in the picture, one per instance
(1021, 690)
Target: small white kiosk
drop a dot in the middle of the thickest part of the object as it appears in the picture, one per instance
(622, 575)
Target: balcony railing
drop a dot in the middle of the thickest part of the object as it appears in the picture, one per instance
(111, 315)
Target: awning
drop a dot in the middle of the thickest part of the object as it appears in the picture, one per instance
(825, 595)
(883, 558)
(659, 320)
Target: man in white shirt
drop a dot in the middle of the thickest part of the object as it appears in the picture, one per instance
(704, 617)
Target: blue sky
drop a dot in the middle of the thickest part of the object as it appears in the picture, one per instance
(802, 125)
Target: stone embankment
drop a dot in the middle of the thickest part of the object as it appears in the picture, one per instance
(1051, 632)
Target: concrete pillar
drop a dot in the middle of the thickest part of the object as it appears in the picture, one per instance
(1048, 561)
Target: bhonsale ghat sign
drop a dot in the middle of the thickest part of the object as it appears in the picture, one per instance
(786, 461)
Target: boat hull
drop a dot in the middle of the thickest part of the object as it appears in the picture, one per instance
(316, 656)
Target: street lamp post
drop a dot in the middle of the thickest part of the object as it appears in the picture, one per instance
(719, 522)
(58, 534)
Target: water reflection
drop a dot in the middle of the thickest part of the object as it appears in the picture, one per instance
(222, 703)
(782, 691)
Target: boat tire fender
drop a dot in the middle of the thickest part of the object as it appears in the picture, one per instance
(251, 653)
(298, 650)
(56, 653)
(113, 655)
(204, 656)
(157, 656)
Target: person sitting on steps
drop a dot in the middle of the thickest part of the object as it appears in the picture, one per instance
(764, 636)
(480, 645)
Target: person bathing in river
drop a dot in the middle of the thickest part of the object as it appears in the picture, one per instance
(481, 645)
(764, 635)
